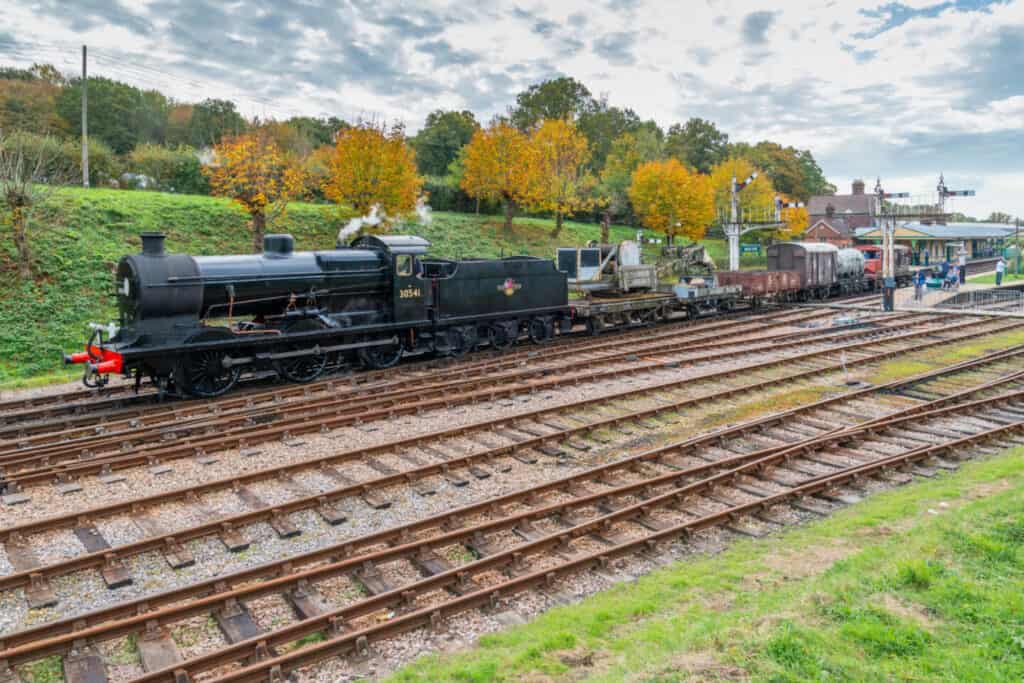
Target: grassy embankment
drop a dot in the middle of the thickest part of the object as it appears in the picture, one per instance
(80, 234)
(920, 583)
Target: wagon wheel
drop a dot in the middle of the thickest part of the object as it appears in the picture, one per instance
(302, 369)
(380, 357)
(202, 373)
(498, 336)
(593, 326)
(540, 330)
(455, 343)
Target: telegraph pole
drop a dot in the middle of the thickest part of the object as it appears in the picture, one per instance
(85, 121)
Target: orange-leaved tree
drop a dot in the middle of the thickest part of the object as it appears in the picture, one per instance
(495, 166)
(371, 167)
(557, 179)
(253, 171)
(671, 199)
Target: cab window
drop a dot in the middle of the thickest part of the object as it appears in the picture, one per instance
(404, 266)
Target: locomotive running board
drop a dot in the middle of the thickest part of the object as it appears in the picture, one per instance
(315, 351)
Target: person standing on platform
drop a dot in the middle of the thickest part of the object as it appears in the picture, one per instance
(919, 280)
(1000, 270)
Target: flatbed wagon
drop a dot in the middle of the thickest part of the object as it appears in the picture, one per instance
(680, 302)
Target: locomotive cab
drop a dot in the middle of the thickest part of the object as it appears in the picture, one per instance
(411, 293)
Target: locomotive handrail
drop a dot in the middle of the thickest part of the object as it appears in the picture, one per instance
(215, 279)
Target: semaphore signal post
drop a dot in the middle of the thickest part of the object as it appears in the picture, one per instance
(923, 209)
(741, 221)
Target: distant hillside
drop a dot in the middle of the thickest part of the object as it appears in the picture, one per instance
(86, 231)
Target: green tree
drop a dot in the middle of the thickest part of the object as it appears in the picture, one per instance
(627, 153)
(602, 124)
(317, 131)
(697, 143)
(792, 171)
(213, 119)
(442, 136)
(558, 98)
(119, 114)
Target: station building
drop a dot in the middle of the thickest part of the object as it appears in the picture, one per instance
(835, 218)
(933, 243)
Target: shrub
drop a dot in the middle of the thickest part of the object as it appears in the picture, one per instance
(173, 169)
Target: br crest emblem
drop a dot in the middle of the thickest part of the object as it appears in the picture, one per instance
(510, 287)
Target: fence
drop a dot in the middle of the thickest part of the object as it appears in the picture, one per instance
(1007, 300)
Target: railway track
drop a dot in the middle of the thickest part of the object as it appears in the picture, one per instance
(104, 454)
(531, 436)
(68, 428)
(528, 436)
(122, 397)
(525, 539)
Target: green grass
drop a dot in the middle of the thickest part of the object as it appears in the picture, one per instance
(48, 670)
(922, 583)
(990, 279)
(79, 235)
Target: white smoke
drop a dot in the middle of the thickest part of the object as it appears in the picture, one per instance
(375, 217)
(424, 211)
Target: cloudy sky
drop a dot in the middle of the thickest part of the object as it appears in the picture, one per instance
(898, 89)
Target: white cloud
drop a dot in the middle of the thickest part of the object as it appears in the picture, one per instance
(867, 86)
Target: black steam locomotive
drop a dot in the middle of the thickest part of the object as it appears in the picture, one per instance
(193, 324)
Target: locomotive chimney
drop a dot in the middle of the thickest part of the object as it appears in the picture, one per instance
(153, 243)
(279, 246)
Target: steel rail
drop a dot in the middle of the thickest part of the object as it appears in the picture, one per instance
(180, 420)
(245, 437)
(187, 447)
(115, 555)
(125, 618)
(65, 402)
(334, 622)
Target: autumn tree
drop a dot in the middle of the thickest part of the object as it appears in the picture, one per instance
(794, 218)
(557, 180)
(31, 167)
(253, 171)
(671, 199)
(370, 167)
(757, 200)
(495, 166)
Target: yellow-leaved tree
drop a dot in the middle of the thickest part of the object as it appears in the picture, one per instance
(371, 167)
(756, 200)
(672, 199)
(557, 180)
(495, 165)
(253, 171)
(795, 219)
